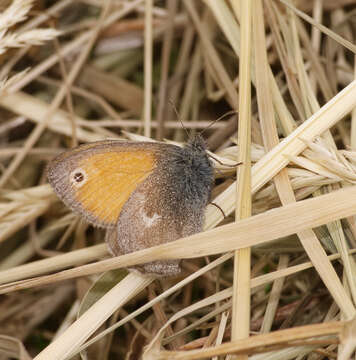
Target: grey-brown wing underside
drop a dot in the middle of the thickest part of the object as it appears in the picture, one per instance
(152, 216)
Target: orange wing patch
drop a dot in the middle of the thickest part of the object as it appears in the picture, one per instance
(103, 182)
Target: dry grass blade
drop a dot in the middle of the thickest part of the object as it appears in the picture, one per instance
(242, 260)
(80, 71)
(148, 68)
(321, 27)
(31, 37)
(75, 335)
(13, 222)
(276, 159)
(162, 296)
(59, 262)
(8, 82)
(252, 231)
(15, 13)
(260, 343)
(22, 103)
(73, 46)
(36, 133)
(13, 347)
(270, 138)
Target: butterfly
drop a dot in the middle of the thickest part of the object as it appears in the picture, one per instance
(143, 193)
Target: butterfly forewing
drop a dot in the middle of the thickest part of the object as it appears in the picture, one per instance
(97, 181)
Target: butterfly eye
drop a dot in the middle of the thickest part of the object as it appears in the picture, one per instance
(78, 177)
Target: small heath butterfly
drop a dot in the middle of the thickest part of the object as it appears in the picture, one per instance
(143, 193)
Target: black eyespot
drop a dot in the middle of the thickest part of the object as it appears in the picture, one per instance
(78, 177)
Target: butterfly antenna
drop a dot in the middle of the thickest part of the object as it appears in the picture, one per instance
(178, 116)
(220, 118)
(218, 207)
(221, 163)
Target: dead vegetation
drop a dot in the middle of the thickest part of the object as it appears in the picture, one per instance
(275, 279)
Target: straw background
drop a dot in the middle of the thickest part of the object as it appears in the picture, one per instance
(275, 278)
